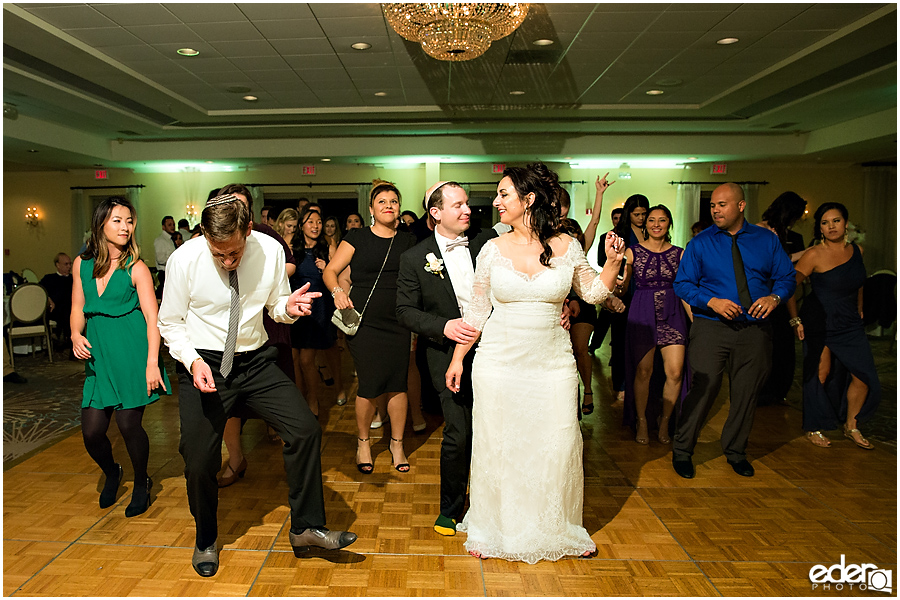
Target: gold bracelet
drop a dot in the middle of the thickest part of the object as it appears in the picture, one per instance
(795, 321)
(335, 290)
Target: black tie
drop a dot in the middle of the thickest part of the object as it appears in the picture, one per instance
(739, 275)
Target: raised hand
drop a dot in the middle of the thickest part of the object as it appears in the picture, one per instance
(602, 184)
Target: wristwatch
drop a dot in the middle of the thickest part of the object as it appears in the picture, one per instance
(777, 298)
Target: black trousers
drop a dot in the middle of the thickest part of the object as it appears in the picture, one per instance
(783, 359)
(713, 347)
(456, 447)
(257, 383)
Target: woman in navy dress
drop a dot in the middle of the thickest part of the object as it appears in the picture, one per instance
(840, 383)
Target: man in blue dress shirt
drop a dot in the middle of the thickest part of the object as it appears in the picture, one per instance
(733, 275)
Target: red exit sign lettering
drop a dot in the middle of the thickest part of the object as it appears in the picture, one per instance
(309, 170)
(719, 169)
(498, 168)
(101, 174)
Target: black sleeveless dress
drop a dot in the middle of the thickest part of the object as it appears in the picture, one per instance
(380, 347)
(831, 318)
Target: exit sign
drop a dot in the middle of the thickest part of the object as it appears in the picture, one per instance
(718, 169)
(101, 174)
(498, 168)
(309, 170)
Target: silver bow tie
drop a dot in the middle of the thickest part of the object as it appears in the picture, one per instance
(464, 241)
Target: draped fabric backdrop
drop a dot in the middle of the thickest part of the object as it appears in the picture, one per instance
(686, 213)
(362, 196)
(259, 199)
(752, 211)
(879, 218)
(80, 221)
(133, 195)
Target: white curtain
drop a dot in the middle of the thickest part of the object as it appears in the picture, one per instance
(259, 199)
(362, 197)
(686, 213)
(752, 212)
(879, 218)
(133, 195)
(80, 221)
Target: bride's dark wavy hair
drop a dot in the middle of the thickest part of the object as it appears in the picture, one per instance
(543, 213)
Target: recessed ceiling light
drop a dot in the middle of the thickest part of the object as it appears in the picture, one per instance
(543, 42)
(517, 93)
(381, 94)
(727, 41)
(209, 162)
(251, 98)
(567, 158)
(188, 52)
(654, 92)
(692, 158)
(360, 46)
(33, 151)
(326, 160)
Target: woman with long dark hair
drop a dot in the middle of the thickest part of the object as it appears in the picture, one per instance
(114, 329)
(315, 331)
(656, 320)
(527, 487)
(840, 382)
(380, 347)
(779, 218)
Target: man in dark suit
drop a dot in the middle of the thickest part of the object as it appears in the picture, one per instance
(59, 290)
(434, 287)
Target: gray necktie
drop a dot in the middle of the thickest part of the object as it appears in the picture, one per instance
(463, 241)
(234, 318)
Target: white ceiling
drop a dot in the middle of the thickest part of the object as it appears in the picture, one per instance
(111, 72)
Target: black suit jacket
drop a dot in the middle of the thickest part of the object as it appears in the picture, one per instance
(425, 301)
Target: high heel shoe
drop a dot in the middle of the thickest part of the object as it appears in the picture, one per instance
(859, 441)
(108, 495)
(642, 437)
(588, 407)
(402, 467)
(663, 424)
(139, 502)
(364, 468)
(226, 480)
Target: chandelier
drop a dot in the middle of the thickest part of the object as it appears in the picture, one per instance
(455, 31)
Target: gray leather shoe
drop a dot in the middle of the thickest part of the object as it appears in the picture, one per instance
(321, 537)
(206, 562)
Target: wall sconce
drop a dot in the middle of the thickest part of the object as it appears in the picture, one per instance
(32, 217)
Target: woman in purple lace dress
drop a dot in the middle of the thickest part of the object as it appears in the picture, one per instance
(656, 319)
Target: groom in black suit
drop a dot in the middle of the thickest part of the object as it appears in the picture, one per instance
(434, 288)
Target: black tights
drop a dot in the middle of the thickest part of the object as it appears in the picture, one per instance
(95, 423)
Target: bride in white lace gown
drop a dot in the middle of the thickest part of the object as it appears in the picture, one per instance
(527, 481)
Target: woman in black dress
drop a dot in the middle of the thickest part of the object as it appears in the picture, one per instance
(840, 383)
(380, 347)
(781, 215)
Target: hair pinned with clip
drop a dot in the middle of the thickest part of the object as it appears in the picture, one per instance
(222, 200)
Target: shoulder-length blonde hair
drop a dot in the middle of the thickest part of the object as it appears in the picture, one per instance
(98, 244)
(288, 214)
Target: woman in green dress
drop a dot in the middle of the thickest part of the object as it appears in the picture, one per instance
(114, 329)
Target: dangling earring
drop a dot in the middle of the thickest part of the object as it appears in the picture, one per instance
(371, 220)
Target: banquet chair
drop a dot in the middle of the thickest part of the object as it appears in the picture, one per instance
(30, 276)
(28, 317)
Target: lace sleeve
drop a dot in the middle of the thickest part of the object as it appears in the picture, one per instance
(480, 307)
(586, 282)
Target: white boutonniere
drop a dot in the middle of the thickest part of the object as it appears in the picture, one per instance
(433, 264)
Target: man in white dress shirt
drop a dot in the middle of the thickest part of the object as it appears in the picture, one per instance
(431, 300)
(211, 319)
(163, 247)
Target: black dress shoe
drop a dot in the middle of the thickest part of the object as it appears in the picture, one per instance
(110, 488)
(321, 537)
(206, 562)
(684, 467)
(742, 468)
(14, 378)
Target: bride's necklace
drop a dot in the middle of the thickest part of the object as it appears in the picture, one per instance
(528, 243)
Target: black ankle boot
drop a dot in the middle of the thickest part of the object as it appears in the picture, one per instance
(108, 495)
(140, 499)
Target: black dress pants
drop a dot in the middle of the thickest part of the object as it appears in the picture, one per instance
(256, 382)
(713, 346)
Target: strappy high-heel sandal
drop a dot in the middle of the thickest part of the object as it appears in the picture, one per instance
(818, 439)
(639, 438)
(402, 467)
(588, 407)
(663, 423)
(364, 468)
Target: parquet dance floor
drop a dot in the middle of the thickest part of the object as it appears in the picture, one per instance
(656, 534)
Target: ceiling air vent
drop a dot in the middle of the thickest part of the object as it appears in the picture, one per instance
(783, 126)
(532, 57)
